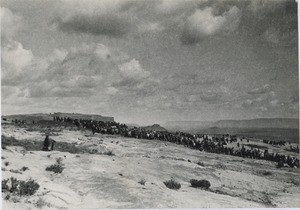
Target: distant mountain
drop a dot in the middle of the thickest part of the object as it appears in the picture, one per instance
(42, 116)
(154, 127)
(187, 125)
(132, 124)
(258, 123)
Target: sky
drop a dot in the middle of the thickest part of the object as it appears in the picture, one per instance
(150, 61)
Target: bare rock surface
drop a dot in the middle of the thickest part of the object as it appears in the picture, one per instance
(102, 180)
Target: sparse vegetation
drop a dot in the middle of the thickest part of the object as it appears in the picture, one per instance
(172, 184)
(265, 173)
(203, 183)
(109, 153)
(15, 171)
(56, 168)
(40, 203)
(24, 168)
(221, 166)
(7, 197)
(266, 199)
(200, 163)
(142, 181)
(59, 160)
(19, 187)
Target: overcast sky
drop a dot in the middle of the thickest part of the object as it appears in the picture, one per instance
(150, 61)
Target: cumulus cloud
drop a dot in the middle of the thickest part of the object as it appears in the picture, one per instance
(95, 24)
(266, 88)
(95, 17)
(133, 70)
(150, 27)
(271, 35)
(111, 90)
(173, 6)
(15, 58)
(203, 23)
(78, 72)
(10, 24)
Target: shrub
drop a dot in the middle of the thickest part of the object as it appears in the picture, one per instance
(266, 173)
(6, 163)
(15, 171)
(221, 166)
(59, 160)
(109, 153)
(172, 184)
(200, 163)
(24, 168)
(142, 182)
(203, 183)
(20, 187)
(29, 187)
(56, 168)
(40, 203)
(7, 197)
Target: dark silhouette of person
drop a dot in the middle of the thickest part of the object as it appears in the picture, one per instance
(46, 143)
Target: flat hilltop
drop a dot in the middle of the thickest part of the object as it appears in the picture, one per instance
(42, 116)
(110, 171)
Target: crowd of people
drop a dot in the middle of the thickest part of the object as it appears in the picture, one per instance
(213, 144)
(281, 143)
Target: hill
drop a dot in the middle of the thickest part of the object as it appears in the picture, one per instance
(154, 127)
(187, 125)
(106, 172)
(259, 123)
(84, 116)
(42, 116)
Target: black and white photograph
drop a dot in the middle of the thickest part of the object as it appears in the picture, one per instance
(149, 104)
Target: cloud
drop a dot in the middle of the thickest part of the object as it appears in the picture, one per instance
(203, 23)
(110, 18)
(266, 88)
(271, 35)
(111, 90)
(175, 6)
(150, 27)
(109, 25)
(15, 58)
(274, 102)
(10, 24)
(135, 81)
(133, 70)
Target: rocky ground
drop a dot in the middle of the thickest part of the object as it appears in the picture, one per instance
(107, 172)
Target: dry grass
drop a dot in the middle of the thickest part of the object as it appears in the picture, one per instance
(172, 184)
(142, 181)
(56, 168)
(40, 203)
(19, 187)
(204, 184)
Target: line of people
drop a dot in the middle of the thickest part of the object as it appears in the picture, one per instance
(212, 144)
(281, 143)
